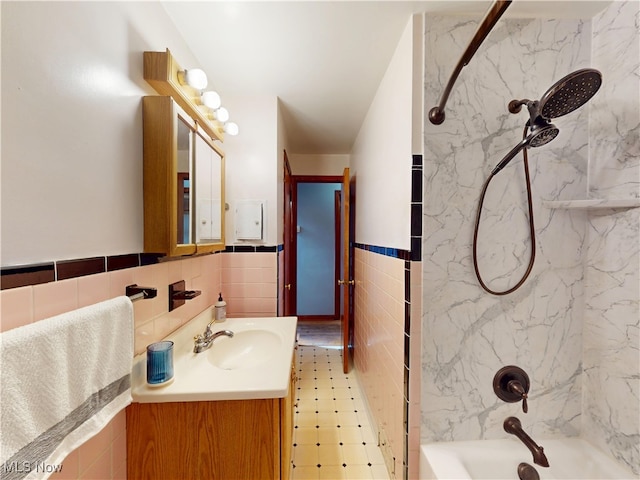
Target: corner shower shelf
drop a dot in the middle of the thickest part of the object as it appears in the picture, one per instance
(593, 204)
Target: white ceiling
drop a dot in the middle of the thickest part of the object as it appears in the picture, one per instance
(323, 59)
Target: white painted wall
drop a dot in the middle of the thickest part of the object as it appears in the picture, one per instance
(381, 156)
(252, 163)
(318, 164)
(72, 84)
(72, 130)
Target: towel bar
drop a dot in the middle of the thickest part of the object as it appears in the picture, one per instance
(134, 292)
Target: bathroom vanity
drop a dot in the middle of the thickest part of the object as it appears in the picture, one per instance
(228, 412)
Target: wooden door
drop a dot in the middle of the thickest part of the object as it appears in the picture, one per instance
(288, 252)
(347, 281)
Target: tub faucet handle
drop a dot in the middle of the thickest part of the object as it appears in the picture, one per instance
(516, 387)
(511, 384)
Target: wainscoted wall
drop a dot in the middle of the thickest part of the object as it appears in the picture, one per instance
(249, 277)
(387, 350)
(574, 325)
(379, 342)
(249, 284)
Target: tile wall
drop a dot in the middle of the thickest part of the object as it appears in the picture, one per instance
(611, 355)
(386, 347)
(378, 343)
(249, 284)
(468, 334)
(247, 280)
(574, 325)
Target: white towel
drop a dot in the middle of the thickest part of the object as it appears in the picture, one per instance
(62, 380)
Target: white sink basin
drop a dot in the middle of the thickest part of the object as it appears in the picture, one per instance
(255, 363)
(246, 349)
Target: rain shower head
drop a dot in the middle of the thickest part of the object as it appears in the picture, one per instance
(565, 96)
(570, 93)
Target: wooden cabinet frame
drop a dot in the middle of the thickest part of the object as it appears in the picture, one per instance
(160, 179)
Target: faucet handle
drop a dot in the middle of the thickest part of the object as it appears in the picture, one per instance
(511, 384)
(207, 329)
(516, 387)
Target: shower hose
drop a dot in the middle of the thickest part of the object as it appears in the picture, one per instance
(532, 233)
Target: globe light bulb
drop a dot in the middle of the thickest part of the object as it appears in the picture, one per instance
(211, 99)
(222, 114)
(231, 128)
(196, 78)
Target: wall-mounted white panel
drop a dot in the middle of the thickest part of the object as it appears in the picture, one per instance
(250, 219)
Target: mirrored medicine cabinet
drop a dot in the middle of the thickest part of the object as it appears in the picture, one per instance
(183, 182)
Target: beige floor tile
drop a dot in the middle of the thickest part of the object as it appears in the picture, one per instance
(328, 435)
(305, 435)
(358, 472)
(355, 454)
(339, 402)
(336, 472)
(306, 473)
(351, 435)
(329, 454)
(328, 418)
(306, 418)
(305, 455)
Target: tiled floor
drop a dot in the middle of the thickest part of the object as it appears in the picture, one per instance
(332, 437)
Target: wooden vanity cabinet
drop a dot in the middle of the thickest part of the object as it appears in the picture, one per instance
(227, 439)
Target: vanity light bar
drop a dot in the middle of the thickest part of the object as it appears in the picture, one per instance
(163, 73)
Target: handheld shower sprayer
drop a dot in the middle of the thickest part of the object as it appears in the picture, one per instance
(565, 96)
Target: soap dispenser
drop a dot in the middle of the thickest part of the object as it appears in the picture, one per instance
(220, 309)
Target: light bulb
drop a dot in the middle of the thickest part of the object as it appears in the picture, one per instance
(211, 99)
(231, 128)
(222, 114)
(196, 78)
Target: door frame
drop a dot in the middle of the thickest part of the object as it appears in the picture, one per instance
(293, 258)
(288, 296)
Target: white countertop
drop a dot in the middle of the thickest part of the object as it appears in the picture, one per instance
(196, 378)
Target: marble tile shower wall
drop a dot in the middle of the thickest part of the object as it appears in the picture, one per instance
(575, 325)
(468, 334)
(611, 364)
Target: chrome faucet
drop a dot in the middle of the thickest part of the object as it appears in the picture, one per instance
(204, 340)
(512, 425)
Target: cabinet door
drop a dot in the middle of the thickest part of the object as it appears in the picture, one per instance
(183, 183)
(209, 195)
(167, 177)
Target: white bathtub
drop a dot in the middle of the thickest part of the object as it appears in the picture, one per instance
(499, 459)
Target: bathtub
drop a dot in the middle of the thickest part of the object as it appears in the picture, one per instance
(571, 459)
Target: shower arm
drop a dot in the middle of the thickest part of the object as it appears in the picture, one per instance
(436, 114)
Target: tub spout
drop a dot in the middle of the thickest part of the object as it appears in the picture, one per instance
(513, 426)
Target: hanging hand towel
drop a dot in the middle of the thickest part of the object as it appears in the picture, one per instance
(62, 380)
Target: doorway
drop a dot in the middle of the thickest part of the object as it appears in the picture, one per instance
(317, 250)
(316, 247)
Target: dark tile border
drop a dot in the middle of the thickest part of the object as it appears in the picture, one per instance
(67, 269)
(252, 248)
(36, 274)
(120, 262)
(22, 276)
(387, 251)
